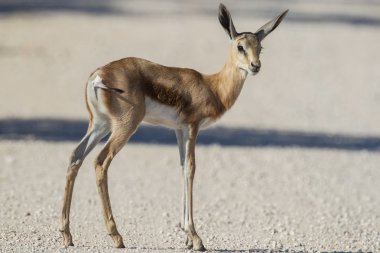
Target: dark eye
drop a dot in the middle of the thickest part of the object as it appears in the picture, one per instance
(240, 48)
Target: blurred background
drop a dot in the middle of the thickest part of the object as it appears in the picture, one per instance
(293, 166)
(320, 69)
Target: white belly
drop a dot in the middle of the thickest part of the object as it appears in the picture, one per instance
(160, 114)
(167, 116)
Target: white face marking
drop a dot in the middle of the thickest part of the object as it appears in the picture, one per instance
(244, 70)
(160, 114)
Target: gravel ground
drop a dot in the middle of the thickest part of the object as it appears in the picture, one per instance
(246, 199)
(297, 165)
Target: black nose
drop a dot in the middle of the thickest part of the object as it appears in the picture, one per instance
(255, 67)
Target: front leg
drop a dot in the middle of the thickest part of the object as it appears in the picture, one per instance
(190, 133)
(181, 148)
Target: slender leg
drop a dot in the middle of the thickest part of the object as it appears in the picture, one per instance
(90, 140)
(117, 140)
(181, 147)
(185, 138)
(189, 137)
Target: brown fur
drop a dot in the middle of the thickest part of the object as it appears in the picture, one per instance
(196, 97)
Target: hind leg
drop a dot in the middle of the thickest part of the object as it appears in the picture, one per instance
(89, 141)
(118, 138)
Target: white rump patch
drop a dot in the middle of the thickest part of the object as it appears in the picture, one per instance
(94, 100)
(97, 80)
(160, 114)
(98, 83)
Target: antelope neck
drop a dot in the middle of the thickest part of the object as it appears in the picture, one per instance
(228, 82)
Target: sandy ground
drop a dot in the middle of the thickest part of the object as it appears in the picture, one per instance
(294, 166)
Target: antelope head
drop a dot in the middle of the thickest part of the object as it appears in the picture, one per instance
(246, 46)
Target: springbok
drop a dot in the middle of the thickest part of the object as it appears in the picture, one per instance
(123, 93)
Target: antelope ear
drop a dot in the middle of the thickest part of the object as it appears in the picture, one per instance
(266, 29)
(226, 21)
